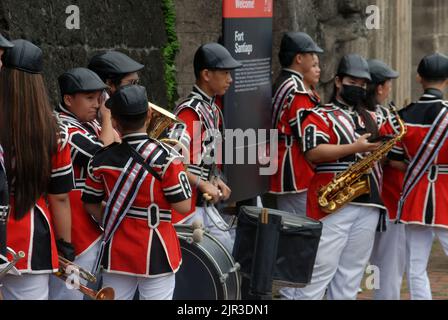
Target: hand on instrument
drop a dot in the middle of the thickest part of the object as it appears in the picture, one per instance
(66, 249)
(212, 191)
(225, 190)
(363, 145)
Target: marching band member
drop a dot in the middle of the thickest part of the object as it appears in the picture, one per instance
(424, 198)
(4, 195)
(293, 93)
(141, 180)
(335, 136)
(389, 249)
(116, 69)
(37, 161)
(212, 66)
(5, 44)
(301, 98)
(81, 102)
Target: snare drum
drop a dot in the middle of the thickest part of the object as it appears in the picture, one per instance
(208, 271)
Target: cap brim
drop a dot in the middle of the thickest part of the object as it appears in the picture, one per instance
(229, 64)
(132, 67)
(316, 49)
(5, 43)
(360, 74)
(392, 74)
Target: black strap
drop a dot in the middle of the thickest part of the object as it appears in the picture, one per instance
(138, 157)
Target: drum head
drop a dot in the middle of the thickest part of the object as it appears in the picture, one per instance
(197, 278)
(208, 271)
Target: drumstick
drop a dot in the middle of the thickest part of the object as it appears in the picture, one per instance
(208, 197)
(264, 216)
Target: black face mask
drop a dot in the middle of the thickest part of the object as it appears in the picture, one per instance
(353, 95)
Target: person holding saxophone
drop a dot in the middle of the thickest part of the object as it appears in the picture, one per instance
(336, 137)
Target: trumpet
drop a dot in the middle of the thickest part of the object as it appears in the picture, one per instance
(64, 269)
(65, 264)
(104, 294)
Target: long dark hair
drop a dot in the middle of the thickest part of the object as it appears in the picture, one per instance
(29, 136)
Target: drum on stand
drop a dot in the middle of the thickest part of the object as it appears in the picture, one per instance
(208, 270)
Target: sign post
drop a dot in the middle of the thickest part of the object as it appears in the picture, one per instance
(247, 34)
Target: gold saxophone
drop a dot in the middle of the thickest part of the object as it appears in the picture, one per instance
(354, 181)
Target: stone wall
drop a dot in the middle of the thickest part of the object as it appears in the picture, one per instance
(409, 30)
(430, 32)
(134, 27)
(338, 26)
(197, 22)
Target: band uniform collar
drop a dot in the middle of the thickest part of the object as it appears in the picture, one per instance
(342, 105)
(61, 108)
(135, 137)
(432, 94)
(204, 96)
(297, 73)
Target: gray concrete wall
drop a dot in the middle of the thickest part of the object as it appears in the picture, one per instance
(134, 27)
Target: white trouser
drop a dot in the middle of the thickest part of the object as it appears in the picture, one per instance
(292, 203)
(419, 240)
(25, 287)
(160, 288)
(389, 255)
(343, 253)
(60, 290)
(213, 223)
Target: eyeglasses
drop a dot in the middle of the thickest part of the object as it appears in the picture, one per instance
(132, 82)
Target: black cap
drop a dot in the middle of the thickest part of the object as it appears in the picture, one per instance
(355, 66)
(298, 42)
(380, 72)
(24, 56)
(128, 101)
(214, 56)
(434, 67)
(5, 43)
(80, 80)
(112, 63)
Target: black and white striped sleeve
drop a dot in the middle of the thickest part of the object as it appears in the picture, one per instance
(175, 184)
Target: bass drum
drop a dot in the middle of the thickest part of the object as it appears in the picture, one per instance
(208, 271)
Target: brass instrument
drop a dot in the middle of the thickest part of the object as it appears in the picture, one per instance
(354, 181)
(86, 275)
(104, 294)
(161, 119)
